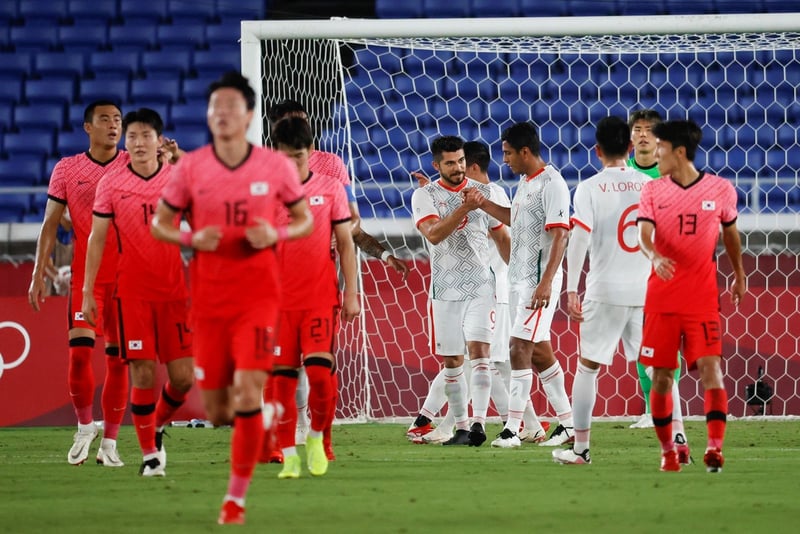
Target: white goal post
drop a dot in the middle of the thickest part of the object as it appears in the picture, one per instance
(377, 92)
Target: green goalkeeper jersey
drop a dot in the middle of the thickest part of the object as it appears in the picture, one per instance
(651, 171)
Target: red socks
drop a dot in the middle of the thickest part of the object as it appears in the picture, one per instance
(320, 394)
(168, 403)
(143, 410)
(661, 409)
(80, 378)
(716, 407)
(284, 384)
(326, 435)
(115, 392)
(248, 435)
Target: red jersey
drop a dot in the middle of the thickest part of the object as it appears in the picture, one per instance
(73, 183)
(308, 266)
(148, 269)
(235, 277)
(329, 164)
(687, 222)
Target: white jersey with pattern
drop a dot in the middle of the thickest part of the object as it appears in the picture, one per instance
(540, 203)
(460, 262)
(498, 266)
(606, 205)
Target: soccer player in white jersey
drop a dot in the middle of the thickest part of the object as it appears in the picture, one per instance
(603, 223)
(461, 296)
(477, 159)
(539, 221)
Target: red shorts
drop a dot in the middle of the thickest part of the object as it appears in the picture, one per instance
(106, 310)
(305, 332)
(155, 331)
(696, 335)
(225, 345)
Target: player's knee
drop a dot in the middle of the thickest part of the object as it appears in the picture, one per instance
(112, 351)
(318, 370)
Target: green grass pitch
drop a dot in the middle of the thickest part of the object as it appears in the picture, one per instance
(382, 483)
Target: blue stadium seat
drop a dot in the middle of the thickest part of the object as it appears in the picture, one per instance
(636, 7)
(6, 118)
(494, 8)
(59, 65)
(166, 63)
(34, 38)
(71, 143)
(242, 9)
(592, 8)
(191, 11)
(181, 36)
(50, 90)
(14, 206)
(5, 39)
(75, 116)
(10, 91)
(47, 117)
(15, 65)
(689, 7)
(28, 143)
(192, 115)
(84, 12)
(9, 12)
(392, 9)
(738, 6)
(214, 62)
(155, 90)
(43, 12)
(194, 89)
(190, 138)
(83, 38)
(139, 37)
(159, 106)
(103, 89)
(137, 12)
(449, 9)
(21, 171)
(780, 6)
(115, 65)
(227, 34)
(538, 8)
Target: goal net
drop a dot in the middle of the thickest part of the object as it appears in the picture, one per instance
(377, 92)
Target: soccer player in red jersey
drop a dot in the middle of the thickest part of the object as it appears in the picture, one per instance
(72, 186)
(151, 291)
(679, 225)
(309, 312)
(232, 192)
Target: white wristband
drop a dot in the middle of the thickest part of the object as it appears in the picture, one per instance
(385, 256)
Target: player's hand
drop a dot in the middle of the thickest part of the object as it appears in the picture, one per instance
(422, 180)
(541, 296)
(399, 266)
(36, 292)
(169, 152)
(663, 267)
(89, 309)
(207, 239)
(351, 307)
(261, 235)
(574, 307)
(473, 198)
(738, 290)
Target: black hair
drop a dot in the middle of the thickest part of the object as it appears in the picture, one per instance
(293, 132)
(88, 113)
(477, 152)
(650, 115)
(145, 116)
(520, 135)
(445, 143)
(613, 136)
(680, 133)
(284, 108)
(234, 80)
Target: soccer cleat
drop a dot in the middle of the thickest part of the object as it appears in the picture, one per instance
(684, 458)
(669, 461)
(562, 435)
(231, 514)
(461, 437)
(713, 460)
(438, 435)
(329, 452)
(82, 441)
(570, 457)
(152, 468)
(275, 457)
(291, 467)
(315, 456)
(107, 454)
(300, 435)
(645, 421)
(527, 435)
(476, 435)
(418, 431)
(506, 440)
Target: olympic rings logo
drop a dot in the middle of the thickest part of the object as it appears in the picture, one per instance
(25, 351)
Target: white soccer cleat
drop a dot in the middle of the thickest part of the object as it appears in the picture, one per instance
(562, 435)
(569, 457)
(107, 454)
(530, 436)
(300, 435)
(645, 421)
(152, 468)
(507, 440)
(82, 442)
(436, 436)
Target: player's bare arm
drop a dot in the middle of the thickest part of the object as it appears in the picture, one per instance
(501, 213)
(170, 152)
(663, 267)
(541, 295)
(733, 248)
(437, 230)
(502, 238)
(351, 306)
(45, 244)
(372, 247)
(578, 246)
(94, 255)
(165, 228)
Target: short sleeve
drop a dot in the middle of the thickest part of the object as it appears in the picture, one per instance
(422, 206)
(729, 210)
(497, 195)
(339, 170)
(291, 190)
(583, 215)
(177, 194)
(57, 188)
(103, 198)
(646, 211)
(556, 205)
(341, 207)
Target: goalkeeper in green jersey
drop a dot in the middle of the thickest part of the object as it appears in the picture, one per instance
(644, 160)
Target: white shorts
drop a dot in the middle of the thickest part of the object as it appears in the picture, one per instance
(499, 349)
(454, 323)
(528, 324)
(604, 325)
